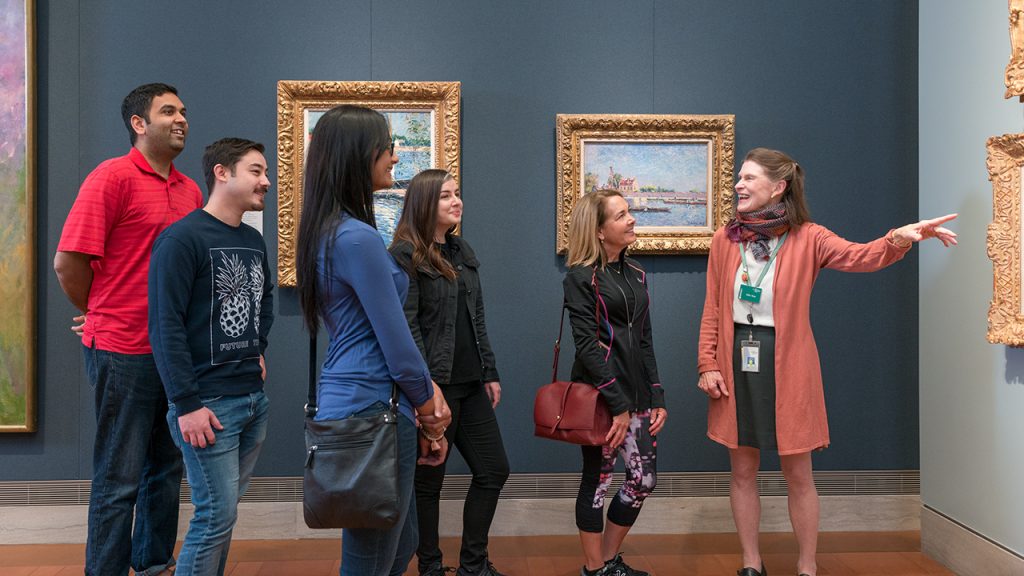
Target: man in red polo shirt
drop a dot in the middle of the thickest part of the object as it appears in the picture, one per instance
(102, 264)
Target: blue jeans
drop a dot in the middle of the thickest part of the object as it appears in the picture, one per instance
(218, 476)
(135, 466)
(369, 552)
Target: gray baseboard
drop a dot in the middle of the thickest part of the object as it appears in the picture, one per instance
(963, 550)
(531, 504)
(518, 487)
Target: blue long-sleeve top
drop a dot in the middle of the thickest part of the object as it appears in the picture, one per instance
(362, 291)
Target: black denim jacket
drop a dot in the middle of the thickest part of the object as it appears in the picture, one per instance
(612, 353)
(431, 309)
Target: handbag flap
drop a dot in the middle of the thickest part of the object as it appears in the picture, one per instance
(566, 406)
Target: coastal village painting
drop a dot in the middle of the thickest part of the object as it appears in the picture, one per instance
(665, 183)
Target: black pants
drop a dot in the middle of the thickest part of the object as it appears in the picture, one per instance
(474, 431)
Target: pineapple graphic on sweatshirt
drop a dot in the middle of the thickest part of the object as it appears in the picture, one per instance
(256, 289)
(233, 293)
(238, 280)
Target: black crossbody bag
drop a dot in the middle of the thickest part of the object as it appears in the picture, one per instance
(350, 478)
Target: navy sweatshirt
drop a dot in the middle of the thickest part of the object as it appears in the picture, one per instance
(210, 309)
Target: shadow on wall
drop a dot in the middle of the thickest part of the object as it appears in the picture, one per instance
(1014, 366)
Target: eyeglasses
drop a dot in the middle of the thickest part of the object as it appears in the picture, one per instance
(392, 147)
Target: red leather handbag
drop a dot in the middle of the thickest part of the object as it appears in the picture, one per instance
(571, 412)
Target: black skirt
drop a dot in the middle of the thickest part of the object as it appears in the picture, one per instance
(755, 391)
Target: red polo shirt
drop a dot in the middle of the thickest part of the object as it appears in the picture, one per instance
(121, 208)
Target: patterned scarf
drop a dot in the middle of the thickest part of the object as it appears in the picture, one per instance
(758, 227)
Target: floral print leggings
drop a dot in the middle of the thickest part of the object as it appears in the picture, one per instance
(639, 452)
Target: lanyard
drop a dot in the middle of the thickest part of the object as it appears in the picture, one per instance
(743, 257)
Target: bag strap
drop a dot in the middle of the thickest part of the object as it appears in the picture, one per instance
(558, 346)
(311, 408)
(561, 325)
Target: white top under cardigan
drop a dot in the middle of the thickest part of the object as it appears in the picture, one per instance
(762, 311)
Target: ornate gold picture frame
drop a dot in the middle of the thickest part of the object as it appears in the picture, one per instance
(1014, 78)
(1005, 315)
(676, 172)
(17, 219)
(424, 118)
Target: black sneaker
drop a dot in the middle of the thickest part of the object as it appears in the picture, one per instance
(599, 572)
(618, 567)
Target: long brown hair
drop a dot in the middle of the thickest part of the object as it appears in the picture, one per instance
(587, 216)
(778, 166)
(418, 223)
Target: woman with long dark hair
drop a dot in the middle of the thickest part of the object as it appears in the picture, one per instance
(609, 311)
(445, 310)
(347, 279)
(757, 358)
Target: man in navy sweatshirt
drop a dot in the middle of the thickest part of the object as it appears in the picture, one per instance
(210, 309)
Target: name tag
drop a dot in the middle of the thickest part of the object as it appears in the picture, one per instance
(750, 354)
(750, 294)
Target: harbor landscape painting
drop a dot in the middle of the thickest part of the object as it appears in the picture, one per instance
(665, 183)
(674, 170)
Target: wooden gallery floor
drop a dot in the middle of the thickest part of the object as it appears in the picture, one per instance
(839, 553)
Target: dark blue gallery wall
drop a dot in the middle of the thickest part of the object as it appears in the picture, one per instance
(833, 83)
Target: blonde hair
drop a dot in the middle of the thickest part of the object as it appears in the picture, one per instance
(587, 216)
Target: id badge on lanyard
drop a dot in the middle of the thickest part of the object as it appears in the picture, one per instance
(750, 355)
(750, 349)
(750, 293)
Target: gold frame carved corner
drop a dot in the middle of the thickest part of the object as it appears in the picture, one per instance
(718, 130)
(295, 97)
(1004, 161)
(1014, 78)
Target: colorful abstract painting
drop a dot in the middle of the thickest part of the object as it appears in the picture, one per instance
(17, 278)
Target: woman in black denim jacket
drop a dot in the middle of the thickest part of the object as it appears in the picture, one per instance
(446, 315)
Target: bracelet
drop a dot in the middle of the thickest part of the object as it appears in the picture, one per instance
(423, 432)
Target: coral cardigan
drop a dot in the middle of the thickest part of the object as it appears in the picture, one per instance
(801, 423)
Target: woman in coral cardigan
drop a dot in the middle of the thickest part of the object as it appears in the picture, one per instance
(761, 269)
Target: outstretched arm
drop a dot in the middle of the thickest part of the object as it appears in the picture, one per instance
(918, 231)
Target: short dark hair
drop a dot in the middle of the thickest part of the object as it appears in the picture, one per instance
(226, 152)
(138, 101)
